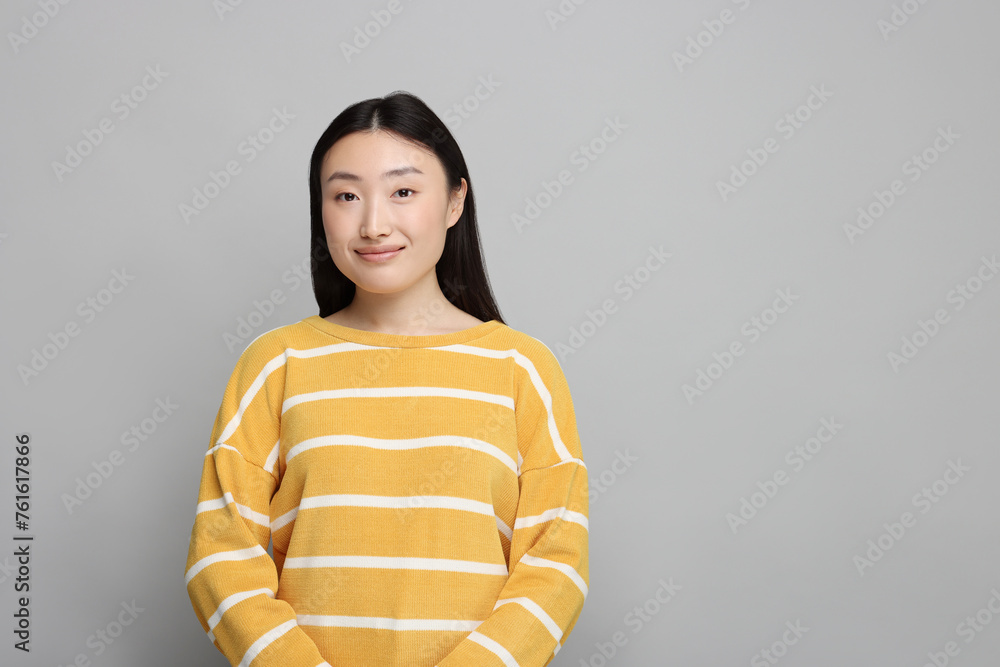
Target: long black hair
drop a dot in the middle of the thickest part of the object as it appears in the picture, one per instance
(461, 271)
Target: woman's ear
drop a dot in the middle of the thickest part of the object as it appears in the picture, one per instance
(457, 203)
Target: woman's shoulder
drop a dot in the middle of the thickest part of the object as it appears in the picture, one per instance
(533, 349)
(272, 342)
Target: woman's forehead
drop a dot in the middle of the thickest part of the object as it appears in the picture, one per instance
(377, 151)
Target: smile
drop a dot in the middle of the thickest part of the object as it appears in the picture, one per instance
(379, 256)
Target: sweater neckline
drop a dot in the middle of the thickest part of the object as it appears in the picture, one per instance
(381, 339)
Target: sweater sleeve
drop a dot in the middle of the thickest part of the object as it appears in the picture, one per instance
(230, 578)
(548, 565)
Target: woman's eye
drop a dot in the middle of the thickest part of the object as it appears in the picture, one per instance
(344, 195)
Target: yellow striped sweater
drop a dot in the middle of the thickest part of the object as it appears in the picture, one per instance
(426, 500)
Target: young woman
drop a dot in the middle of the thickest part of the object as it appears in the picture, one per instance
(413, 460)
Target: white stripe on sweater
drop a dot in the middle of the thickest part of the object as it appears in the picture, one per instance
(214, 619)
(264, 641)
(396, 392)
(549, 515)
(495, 648)
(398, 563)
(383, 623)
(391, 502)
(403, 443)
(236, 554)
(246, 512)
(556, 565)
(536, 611)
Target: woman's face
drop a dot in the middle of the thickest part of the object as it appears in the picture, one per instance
(379, 190)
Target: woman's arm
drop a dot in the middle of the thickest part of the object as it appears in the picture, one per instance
(548, 574)
(230, 578)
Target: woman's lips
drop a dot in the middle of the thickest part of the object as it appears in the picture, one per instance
(379, 256)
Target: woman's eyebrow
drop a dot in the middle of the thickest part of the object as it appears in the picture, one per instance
(399, 171)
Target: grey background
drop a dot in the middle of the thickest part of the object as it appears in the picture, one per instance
(664, 516)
